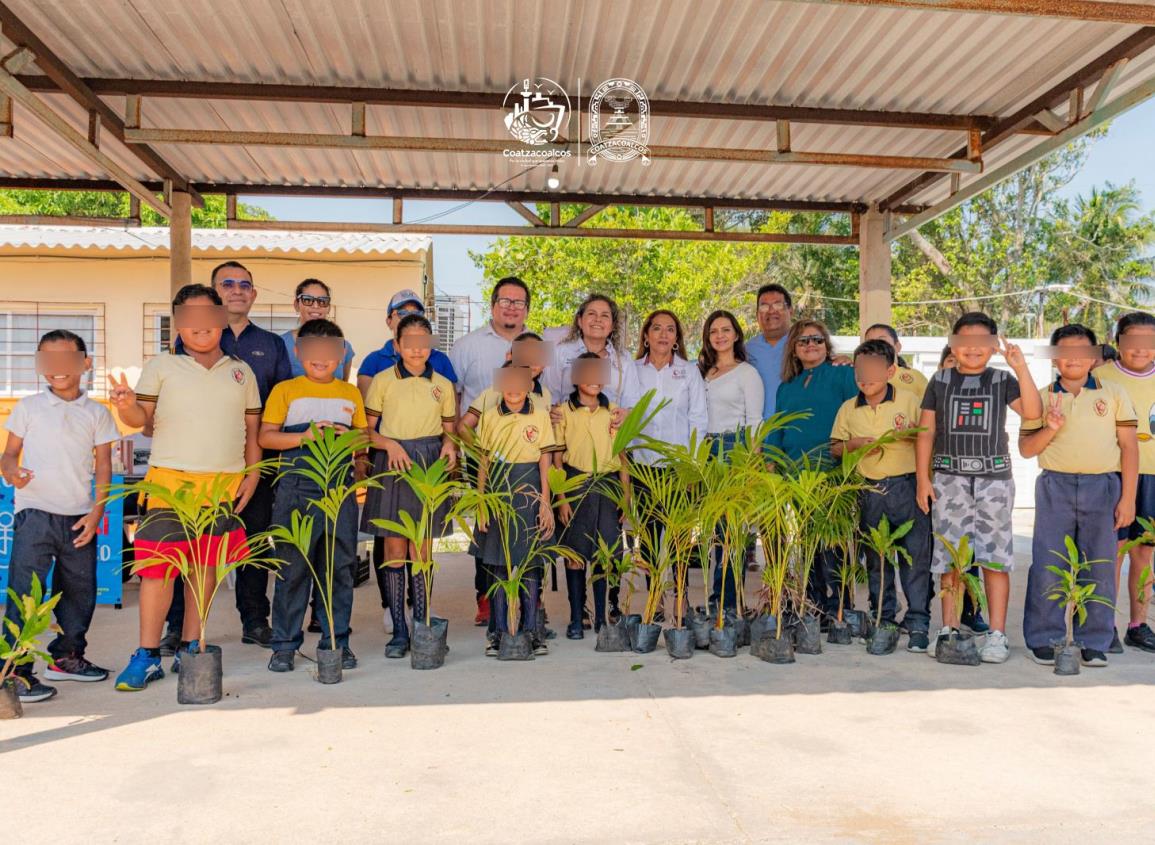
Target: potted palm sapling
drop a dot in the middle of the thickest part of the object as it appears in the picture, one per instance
(21, 645)
(776, 645)
(958, 647)
(885, 542)
(810, 492)
(850, 574)
(326, 466)
(196, 545)
(1074, 598)
(657, 495)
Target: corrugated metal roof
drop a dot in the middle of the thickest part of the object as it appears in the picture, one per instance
(743, 51)
(234, 241)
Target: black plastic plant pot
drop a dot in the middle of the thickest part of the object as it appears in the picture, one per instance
(701, 626)
(957, 649)
(762, 625)
(429, 644)
(329, 666)
(199, 681)
(808, 635)
(517, 646)
(884, 640)
(724, 641)
(741, 625)
(839, 634)
(644, 638)
(679, 643)
(774, 649)
(614, 637)
(10, 706)
(1067, 658)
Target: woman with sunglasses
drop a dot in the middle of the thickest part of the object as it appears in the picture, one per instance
(312, 300)
(813, 384)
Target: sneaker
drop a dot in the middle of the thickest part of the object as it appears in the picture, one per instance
(574, 631)
(142, 669)
(348, 658)
(974, 622)
(261, 635)
(1141, 637)
(191, 647)
(396, 648)
(73, 667)
(943, 634)
(29, 689)
(539, 647)
(995, 649)
(918, 642)
(482, 617)
(548, 634)
(1043, 655)
(1116, 647)
(169, 643)
(1093, 658)
(491, 648)
(282, 661)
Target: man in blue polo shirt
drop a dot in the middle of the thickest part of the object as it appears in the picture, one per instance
(766, 349)
(266, 355)
(403, 303)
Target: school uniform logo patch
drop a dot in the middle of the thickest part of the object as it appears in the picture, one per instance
(436, 391)
(1100, 407)
(899, 422)
(531, 433)
(238, 375)
(906, 377)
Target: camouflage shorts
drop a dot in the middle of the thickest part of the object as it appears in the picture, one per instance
(980, 508)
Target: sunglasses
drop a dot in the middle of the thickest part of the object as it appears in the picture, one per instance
(308, 299)
(240, 284)
(811, 340)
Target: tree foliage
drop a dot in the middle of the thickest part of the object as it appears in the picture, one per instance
(109, 204)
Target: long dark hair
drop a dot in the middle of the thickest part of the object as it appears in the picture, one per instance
(679, 342)
(708, 358)
(615, 338)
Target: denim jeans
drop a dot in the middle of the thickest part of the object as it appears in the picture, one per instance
(42, 539)
(894, 498)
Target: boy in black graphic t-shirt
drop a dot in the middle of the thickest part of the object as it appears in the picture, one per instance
(965, 447)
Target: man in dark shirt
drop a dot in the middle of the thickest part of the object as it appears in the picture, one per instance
(266, 355)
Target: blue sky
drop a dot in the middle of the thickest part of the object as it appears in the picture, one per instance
(1125, 154)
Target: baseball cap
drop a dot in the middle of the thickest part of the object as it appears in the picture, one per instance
(405, 297)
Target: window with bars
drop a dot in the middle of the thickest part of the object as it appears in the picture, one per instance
(158, 335)
(21, 326)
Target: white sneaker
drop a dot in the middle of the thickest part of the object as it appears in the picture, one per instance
(932, 649)
(995, 649)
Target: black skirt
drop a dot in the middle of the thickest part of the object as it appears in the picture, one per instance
(524, 481)
(595, 515)
(395, 495)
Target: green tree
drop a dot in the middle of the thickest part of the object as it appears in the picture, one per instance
(109, 204)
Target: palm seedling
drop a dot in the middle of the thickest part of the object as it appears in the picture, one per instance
(959, 648)
(1074, 596)
(21, 646)
(886, 543)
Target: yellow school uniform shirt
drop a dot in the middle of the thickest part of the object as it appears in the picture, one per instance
(518, 437)
(906, 378)
(489, 398)
(199, 421)
(299, 402)
(1140, 388)
(411, 406)
(585, 437)
(1087, 443)
(898, 410)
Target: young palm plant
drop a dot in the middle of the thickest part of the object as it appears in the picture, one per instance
(959, 648)
(1074, 596)
(886, 543)
(21, 646)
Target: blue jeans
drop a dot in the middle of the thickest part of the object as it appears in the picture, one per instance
(720, 446)
(43, 541)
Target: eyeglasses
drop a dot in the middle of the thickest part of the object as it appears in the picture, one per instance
(811, 340)
(308, 299)
(772, 307)
(240, 284)
(506, 302)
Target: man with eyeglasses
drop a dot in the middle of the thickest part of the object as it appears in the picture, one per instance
(475, 357)
(267, 357)
(766, 349)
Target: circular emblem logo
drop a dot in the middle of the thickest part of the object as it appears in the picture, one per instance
(619, 122)
(436, 391)
(238, 375)
(907, 377)
(1100, 407)
(536, 111)
(531, 433)
(899, 422)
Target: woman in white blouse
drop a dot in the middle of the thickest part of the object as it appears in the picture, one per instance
(597, 327)
(734, 394)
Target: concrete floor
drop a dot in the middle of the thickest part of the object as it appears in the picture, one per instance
(587, 747)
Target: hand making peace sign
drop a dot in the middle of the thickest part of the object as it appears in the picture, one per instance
(121, 395)
(1055, 418)
(1013, 355)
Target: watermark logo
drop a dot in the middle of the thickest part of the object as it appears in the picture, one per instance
(536, 111)
(619, 122)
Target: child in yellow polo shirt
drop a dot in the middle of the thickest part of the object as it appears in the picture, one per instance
(1089, 456)
(411, 411)
(585, 437)
(316, 398)
(527, 351)
(905, 377)
(517, 440)
(880, 408)
(203, 408)
(1134, 371)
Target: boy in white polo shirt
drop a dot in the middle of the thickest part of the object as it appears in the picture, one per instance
(53, 437)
